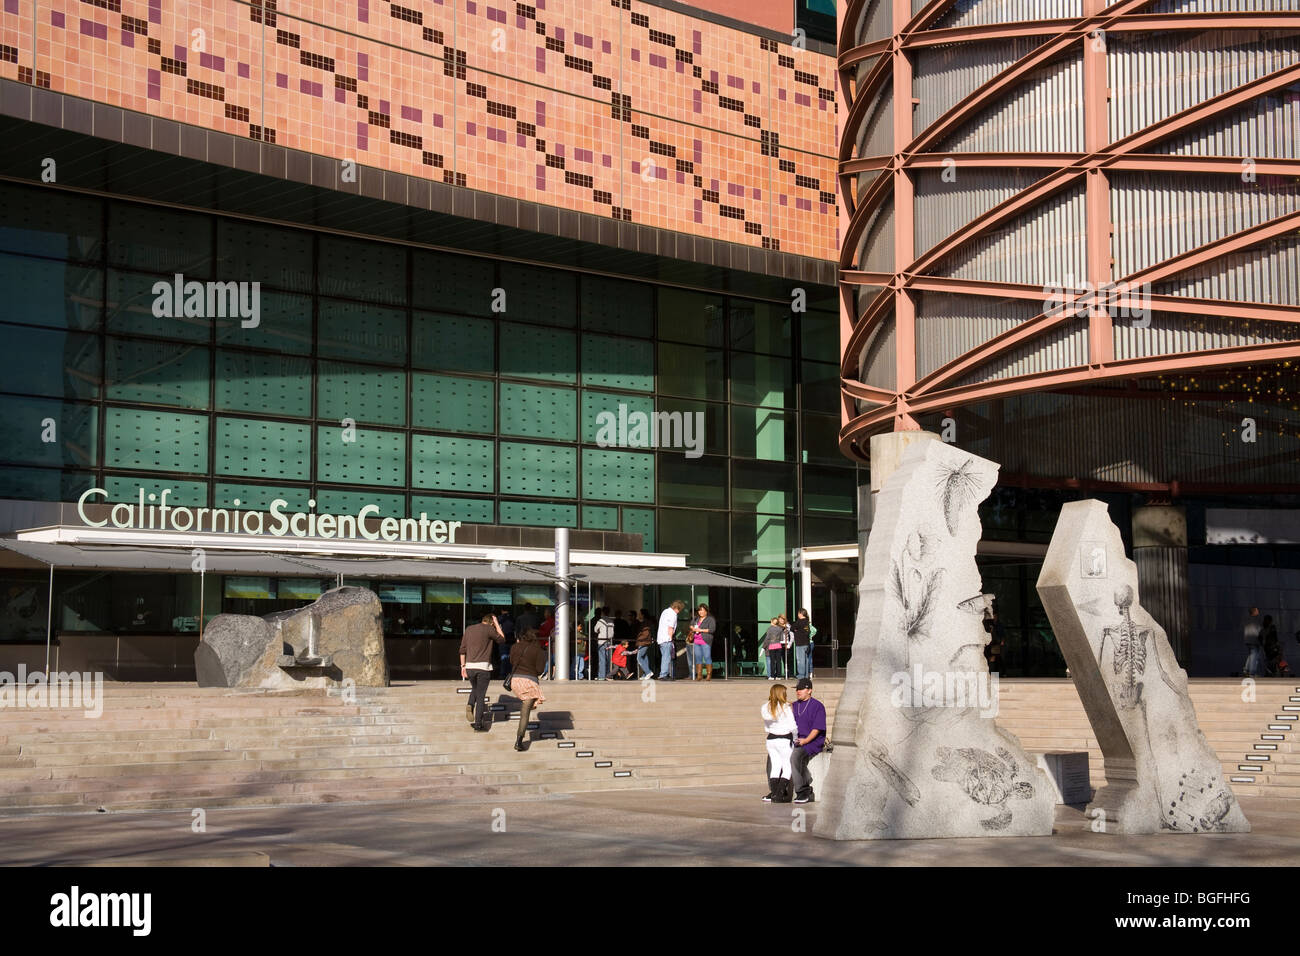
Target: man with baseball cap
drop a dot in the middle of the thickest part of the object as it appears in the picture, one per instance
(809, 738)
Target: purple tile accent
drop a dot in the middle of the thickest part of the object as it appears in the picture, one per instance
(182, 52)
(697, 147)
(661, 172)
(471, 8)
(659, 61)
(282, 80)
(541, 4)
(582, 39)
(521, 140)
(363, 136)
(498, 135)
(340, 96)
(363, 11)
(219, 63)
(822, 105)
(697, 42)
(128, 38)
(243, 70)
(310, 88)
(363, 67)
(606, 47)
(437, 120)
(471, 129)
(697, 101)
(699, 210)
(205, 60)
(713, 184)
(541, 60)
(56, 18)
(541, 178)
(582, 155)
(559, 150)
(155, 84)
(757, 193)
(11, 6)
(636, 168)
(713, 76)
(385, 107)
(559, 33)
(636, 55)
(804, 204)
(735, 82)
(780, 95)
(821, 208)
(521, 23)
(681, 179)
(496, 15)
(155, 11)
(540, 120)
(681, 67)
(88, 28)
(412, 114)
(802, 99)
(757, 88)
(734, 189)
(782, 200)
(606, 160)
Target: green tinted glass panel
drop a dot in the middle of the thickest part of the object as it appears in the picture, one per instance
(54, 363)
(362, 393)
(706, 417)
(185, 494)
(452, 404)
(160, 240)
(271, 384)
(26, 422)
(39, 222)
(352, 269)
(618, 475)
(601, 416)
(547, 471)
(51, 292)
(610, 305)
(357, 330)
(821, 439)
(767, 487)
(452, 283)
(374, 458)
(536, 411)
(283, 323)
(766, 433)
(692, 317)
(155, 441)
(762, 539)
(130, 308)
(440, 507)
(331, 501)
(761, 327)
(640, 521)
(695, 482)
(539, 513)
(262, 449)
(830, 490)
(762, 380)
(452, 464)
(259, 497)
(548, 296)
(702, 536)
(529, 352)
(599, 519)
(44, 484)
(691, 372)
(618, 363)
(821, 387)
(157, 373)
(452, 343)
(277, 258)
(820, 335)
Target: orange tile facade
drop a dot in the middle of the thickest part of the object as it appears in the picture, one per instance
(610, 107)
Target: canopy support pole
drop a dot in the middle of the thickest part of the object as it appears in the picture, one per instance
(49, 624)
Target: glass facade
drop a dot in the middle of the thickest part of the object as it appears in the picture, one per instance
(481, 391)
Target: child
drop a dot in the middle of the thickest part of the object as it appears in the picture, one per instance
(620, 661)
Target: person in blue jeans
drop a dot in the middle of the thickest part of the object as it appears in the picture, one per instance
(667, 631)
(774, 642)
(602, 632)
(800, 631)
(644, 641)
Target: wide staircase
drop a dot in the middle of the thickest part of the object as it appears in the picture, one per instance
(175, 746)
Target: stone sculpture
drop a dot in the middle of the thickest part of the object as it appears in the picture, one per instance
(337, 637)
(916, 750)
(1162, 776)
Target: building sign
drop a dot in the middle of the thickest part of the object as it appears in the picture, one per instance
(307, 589)
(148, 514)
(401, 593)
(500, 597)
(249, 587)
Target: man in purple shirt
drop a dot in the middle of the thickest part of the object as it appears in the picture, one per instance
(810, 738)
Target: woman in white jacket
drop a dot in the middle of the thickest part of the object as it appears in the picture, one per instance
(778, 718)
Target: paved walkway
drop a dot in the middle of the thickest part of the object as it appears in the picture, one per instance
(725, 826)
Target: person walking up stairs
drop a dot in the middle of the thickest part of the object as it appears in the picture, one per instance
(527, 661)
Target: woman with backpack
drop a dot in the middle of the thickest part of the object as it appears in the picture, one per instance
(778, 719)
(527, 662)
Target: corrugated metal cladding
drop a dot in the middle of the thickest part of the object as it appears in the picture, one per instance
(1112, 438)
(944, 207)
(866, 293)
(1040, 115)
(875, 22)
(876, 138)
(879, 358)
(1269, 273)
(969, 13)
(1268, 128)
(1045, 246)
(1223, 6)
(1154, 75)
(1162, 582)
(1065, 346)
(1157, 216)
(943, 76)
(876, 251)
(948, 326)
(1171, 333)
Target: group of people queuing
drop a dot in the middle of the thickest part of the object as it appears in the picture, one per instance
(783, 636)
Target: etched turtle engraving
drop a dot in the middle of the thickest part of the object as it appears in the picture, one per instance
(1203, 803)
(987, 778)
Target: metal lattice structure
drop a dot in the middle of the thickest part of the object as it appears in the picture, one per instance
(1056, 194)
